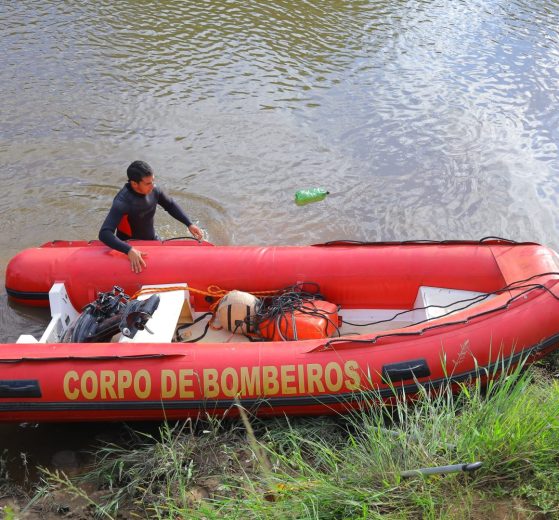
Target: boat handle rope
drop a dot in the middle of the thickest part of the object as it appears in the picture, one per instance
(483, 240)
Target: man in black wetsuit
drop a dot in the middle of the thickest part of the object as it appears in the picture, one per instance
(132, 213)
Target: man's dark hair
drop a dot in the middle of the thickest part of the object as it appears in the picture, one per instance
(138, 170)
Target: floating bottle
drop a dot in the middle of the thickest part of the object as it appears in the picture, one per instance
(303, 197)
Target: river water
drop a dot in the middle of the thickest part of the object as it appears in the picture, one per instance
(424, 119)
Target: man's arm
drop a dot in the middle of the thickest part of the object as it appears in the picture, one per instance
(107, 231)
(108, 237)
(171, 207)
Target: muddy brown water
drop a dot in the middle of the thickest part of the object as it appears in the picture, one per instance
(425, 120)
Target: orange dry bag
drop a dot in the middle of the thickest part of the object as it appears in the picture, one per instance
(315, 319)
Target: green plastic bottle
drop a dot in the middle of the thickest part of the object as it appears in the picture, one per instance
(303, 197)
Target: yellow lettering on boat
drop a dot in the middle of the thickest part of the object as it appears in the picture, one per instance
(168, 384)
(142, 379)
(287, 377)
(185, 382)
(301, 378)
(333, 383)
(314, 376)
(74, 393)
(89, 384)
(230, 382)
(106, 384)
(270, 383)
(351, 371)
(124, 381)
(211, 386)
(250, 381)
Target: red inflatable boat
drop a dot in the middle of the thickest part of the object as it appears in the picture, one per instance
(384, 317)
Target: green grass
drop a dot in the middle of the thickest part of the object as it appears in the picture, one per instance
(346, 467)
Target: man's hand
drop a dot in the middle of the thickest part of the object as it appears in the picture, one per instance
(196, 231)
(136, 260)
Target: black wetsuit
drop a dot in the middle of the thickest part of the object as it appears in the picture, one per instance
(131, 215)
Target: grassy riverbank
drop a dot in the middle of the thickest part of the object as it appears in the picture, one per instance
(335, 468)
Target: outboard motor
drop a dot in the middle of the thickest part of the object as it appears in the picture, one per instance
(136, 315)
(110, 313)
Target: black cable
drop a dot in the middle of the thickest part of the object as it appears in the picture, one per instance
(483, 240)
(179, 238)
(475, 300)
(278, 311)
(195, 340)
(188, 325)
(531, 287)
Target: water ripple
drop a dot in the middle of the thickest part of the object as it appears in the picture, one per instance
(425, 119)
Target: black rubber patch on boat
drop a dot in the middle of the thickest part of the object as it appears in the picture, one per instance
(19, 388)
(27, 295)
(415, 368)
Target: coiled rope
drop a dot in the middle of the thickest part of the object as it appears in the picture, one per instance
(214, 291)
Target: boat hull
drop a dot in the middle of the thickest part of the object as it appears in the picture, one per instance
(107, 381)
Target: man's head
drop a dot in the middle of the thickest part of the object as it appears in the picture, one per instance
(141, 177)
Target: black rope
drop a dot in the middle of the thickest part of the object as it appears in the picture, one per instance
(513, 285)
(483, 241)
(179, 238)
(188, 325)
(278, 310)
(473, 301)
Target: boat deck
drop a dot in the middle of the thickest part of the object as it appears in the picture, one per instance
(364, 317)
(175, 312)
